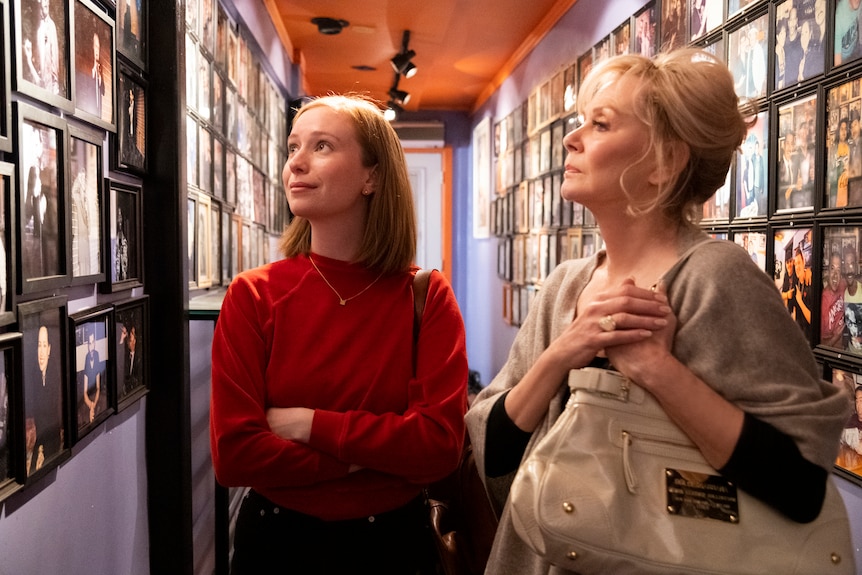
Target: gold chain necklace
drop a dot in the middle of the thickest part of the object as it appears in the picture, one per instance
(342, 300)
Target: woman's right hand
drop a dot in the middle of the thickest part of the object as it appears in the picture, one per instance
(636, 313)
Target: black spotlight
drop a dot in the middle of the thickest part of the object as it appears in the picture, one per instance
(329, 26)
(401, 63)
(399, 96)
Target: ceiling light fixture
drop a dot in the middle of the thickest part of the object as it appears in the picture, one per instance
(401, 62)
(330, 26)
(399, 96)
(392, 111)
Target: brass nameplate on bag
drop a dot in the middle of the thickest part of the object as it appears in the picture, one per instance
(700, 495)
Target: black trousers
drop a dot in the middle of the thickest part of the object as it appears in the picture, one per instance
(270, 539)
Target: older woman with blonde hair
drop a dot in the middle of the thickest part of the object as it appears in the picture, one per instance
(687, 318)
(324, 402)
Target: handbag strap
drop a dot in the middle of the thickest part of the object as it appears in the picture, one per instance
(605, 382)
(420, 292)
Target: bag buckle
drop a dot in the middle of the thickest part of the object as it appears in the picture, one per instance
(605, 382)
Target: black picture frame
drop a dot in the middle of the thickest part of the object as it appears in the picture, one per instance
(131, 333)
(799, 43)
(752, 171)
(91, 364)
(793, 261)
(674, 25)
(850, 50)
(748, 58)
(645, 37)
(94, 64)
(42, 251)
(129, 143)
(8, 237)
(43, 324)
(848, 463)
(6, 143)
(86, 199)
(132, 31)
(797, 170)
(840, 315)
(56, 90)
(843, 160)
(122, 224)
(11, 415)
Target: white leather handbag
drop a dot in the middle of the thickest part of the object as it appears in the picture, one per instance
(616, 487)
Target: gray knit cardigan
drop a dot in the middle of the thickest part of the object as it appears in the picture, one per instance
(733, 331)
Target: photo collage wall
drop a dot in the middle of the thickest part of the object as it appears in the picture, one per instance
(236, 127)
(70, 190)
(792, 197)
(74, 112)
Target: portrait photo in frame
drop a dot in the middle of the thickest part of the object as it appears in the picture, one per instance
(11, 415)
(43, 218)
(674, 28)
(123, 232)
(132, 31)
(796, 172)
(793, 260)
(131, 337)
(645, 31)
(747, 57)
(800, 39)
(43, 324)
(86, 176)
(752, 170)
(129, 150)
(8, 240)
(42, 52)
(5, 79)
(848, 463)
(843, 153)
(93, 367)
(840, 312)
(94, 64)
(704, 17)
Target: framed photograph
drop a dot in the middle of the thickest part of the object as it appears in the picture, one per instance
(747, 57)
(8, 267)
(754, 244)
(42, 60)
(481, 178)
(131, 337)
(43, 324)
(800, 39)
(218, 184)
(123, 224)
(705, 16)
(734, 7)
(202, 241)
(622, 38)
(205, 162)
(95, 66)
(585, 64)
(5, 80)
(191, 150)
(845, 27)
(645, 31)
(226, 245)
(132, 31)
(43, 217)
(796, 171)
(236, 245)
(204, 90)
(793, 275)
(841, 296)
(215, 243)
(849, 460)
(93, 365)
(673, 25)
(843, 152)
(11, 415)
(85, 173)
(191, 238)
(752, 171)
(129, 151)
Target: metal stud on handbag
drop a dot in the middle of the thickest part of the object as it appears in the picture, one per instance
(616, 487)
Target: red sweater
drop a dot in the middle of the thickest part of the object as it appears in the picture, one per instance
(283, 340)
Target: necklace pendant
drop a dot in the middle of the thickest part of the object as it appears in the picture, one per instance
(342, 301)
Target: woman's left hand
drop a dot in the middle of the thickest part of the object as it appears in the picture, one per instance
(642, 358)
(292, 423)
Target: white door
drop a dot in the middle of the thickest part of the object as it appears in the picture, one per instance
(426, 179)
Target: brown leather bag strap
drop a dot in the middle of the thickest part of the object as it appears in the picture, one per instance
(420, 292)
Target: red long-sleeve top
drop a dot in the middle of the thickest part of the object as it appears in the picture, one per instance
(283, 340)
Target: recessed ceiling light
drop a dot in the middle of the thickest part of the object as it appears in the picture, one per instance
(329, 25)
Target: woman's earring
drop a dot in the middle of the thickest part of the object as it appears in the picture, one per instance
(366, 192)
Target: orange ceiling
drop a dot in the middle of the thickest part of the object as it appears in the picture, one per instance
(464, 48)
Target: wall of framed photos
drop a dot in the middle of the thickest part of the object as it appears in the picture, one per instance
(793, 196)
(85, 276)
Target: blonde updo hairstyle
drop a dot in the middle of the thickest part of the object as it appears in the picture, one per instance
(389, 240)
(685, 96)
